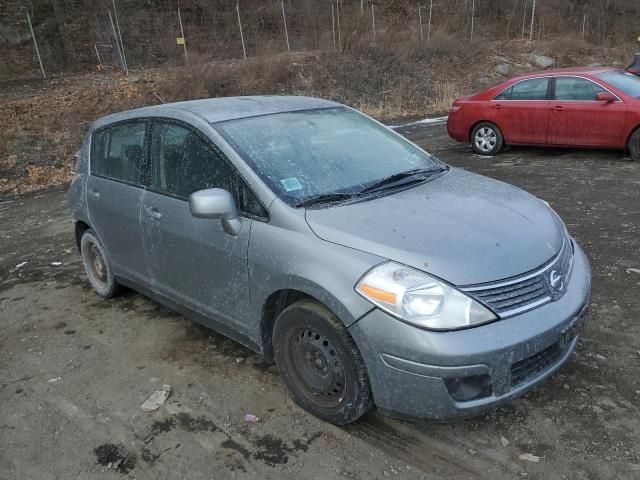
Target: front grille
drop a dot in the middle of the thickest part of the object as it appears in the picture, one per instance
(535, 364)
(509, 297)
(528, 291)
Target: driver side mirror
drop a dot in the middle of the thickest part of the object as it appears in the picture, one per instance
(605, 97)
(216, 203)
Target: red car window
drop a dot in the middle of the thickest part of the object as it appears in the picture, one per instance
(575, 88)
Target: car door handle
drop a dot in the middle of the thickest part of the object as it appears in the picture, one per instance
(153, 212)
(93, 193)
(557, 108)
(496, 106)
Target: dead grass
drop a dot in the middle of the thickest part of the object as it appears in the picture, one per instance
(42, 124)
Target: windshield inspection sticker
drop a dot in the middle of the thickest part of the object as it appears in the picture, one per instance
(291, 184)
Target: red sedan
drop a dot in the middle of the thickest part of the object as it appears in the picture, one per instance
(585, 107)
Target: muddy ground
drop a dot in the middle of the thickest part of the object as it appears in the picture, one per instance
(74, 368)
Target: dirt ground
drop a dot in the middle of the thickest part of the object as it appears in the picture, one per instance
(75, 368)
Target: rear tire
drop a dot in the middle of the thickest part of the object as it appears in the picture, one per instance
(634, 146)
(97, 266)
(320, 363)
(486, 139)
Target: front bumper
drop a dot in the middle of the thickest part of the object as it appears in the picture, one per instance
(412, 370)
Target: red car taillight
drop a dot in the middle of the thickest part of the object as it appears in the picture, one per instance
(454, 108)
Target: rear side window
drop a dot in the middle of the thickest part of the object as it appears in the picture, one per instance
(575, 88)
(533, 89)
(118, 153)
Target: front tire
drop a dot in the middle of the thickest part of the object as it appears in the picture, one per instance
(486, 139)
(97, 266)
(320, 363)
(633, 145)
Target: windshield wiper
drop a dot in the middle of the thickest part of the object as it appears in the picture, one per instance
(420, 174)
(325, 198)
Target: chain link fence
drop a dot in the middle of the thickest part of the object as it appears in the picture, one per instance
(101, 35)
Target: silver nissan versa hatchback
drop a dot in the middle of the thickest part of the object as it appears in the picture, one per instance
(367, 269)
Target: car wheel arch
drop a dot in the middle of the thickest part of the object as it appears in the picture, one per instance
(275, 304)
(80, 227)
(632, 132)
(486, 121)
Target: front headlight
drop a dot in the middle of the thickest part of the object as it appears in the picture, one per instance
(420, 299)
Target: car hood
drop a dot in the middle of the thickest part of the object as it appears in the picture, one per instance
(461, 227)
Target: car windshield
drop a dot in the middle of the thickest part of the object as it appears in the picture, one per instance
(313, 153)
(627, 83)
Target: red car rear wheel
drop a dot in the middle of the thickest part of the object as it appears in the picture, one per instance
(486, 139)
(634, 145)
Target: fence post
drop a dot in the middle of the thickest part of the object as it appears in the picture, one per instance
(333, 26)
(533, 15)
(35, 44)
(420, 20)
(115, 37)
(524, 17)
(373, 22)
(429, 28)
(184, 41)
(124, 58)
(244, 51)
(338, 22)
(284, 20)
(473, 14)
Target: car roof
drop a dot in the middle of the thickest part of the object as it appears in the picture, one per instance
(569, 71)
(214, 110)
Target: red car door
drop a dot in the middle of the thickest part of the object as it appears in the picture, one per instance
(522, 111)
(577, 118)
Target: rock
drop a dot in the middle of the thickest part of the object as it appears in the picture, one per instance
(239, 360)
(504, 441)
(529, 457)
(471, 451)
(597, 409)
(502, 69)
(249, 418)
(156, 399)
(543, 61)
(607, 402)
(633, 270)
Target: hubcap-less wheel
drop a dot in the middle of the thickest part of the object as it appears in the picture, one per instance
(97, 268)
(320, 363)
(486, 139)
(318, 369)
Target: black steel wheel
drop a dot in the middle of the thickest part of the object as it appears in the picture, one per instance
(320, 363)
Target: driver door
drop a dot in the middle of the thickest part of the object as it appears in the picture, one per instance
(577, 118)
(193, 261)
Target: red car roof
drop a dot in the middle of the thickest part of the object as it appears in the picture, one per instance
(569, 71)
(489, 92)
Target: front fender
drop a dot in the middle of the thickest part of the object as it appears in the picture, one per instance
(282, 259)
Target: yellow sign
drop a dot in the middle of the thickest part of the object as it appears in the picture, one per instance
(180, 40)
